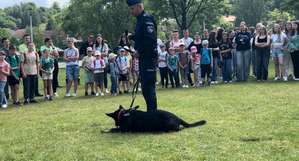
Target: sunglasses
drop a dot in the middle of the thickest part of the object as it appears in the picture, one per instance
(91, 37)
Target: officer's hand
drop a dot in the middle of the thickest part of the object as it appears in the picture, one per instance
(136, 54)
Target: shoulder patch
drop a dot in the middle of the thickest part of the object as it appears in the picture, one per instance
(150, 29)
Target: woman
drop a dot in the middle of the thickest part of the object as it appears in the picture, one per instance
(232, 35)
(253, 51)
(103, 48)
(124, 41)
(287, 60)
(198, 45)
(219, 34)
(294, 49)
(262, 45)
(213, 45)
(280, 42)
(54, 55)
(225, 47)
(243, 53)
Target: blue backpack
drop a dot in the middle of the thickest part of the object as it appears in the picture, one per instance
(43, 62)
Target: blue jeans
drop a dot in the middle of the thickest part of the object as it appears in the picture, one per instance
(226, 70)
(214, 70)
(72, 72)
(3, 100)
(253, 61)
(243, 64)
(176, 78)
(113, 85)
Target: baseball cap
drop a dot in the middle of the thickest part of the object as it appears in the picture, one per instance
(97, 53)
(111, 56)
(121, 50)
(182, 44)
(205, 42)
(89, 49)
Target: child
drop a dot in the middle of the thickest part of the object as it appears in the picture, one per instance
(114, 72)
(122, 64)
(163, 66)
(129, 69)
(206, 65)
(135, 71)
(47, 68)
(226, 57)
(195, 65)
(184, 58)
(98, 67)
(4, 72)
(172, 63)
(88, 75)
(14, 76)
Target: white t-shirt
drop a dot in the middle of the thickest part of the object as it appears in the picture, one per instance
(162, 56)
(187, 41)
(99, 48)
(159, 42)
(275, 37)
(98, 64)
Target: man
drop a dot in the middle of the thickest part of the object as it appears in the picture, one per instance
(22, 49)
(6, 42)
(146, 50)
(167, 44)
(84, 46)
(187, 40)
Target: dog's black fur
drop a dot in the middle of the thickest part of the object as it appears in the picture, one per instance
(151, 121)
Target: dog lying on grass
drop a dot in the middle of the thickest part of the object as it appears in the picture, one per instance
(151, 121)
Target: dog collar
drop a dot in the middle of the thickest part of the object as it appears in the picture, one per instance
(118, 116)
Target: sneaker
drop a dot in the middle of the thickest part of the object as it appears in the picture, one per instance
(200, 82)
(230, 81)
(26, 102)
(258, 80)
(18, 103)
(33, 101)
(157, 82)
(51, 99)
(276, 78)
(120, 92)
(212, 82)
(74, 94)
(209, 84)
(46, 99)
(97, 94)
(163, 87)
(220, 77)
(285, 79)
(186, 86)
(86, 93)
(102, 94)
(55, 95)
(107, 91)
(115, 94)
(111, 95)
(216, 82)
(203, 84)
(296, 79)
(128, 91)
(38, 95)
(139, 89)
(67, 95)
(92, 93)
(4, 106)
(225, 81)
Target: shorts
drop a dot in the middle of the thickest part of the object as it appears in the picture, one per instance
(184, 71)
(123, 77)
(99, 77)
(88, 77)
(205, 69)
(46, 76)
(135, 74)
(12, 81)
(72, 72)
(276, 52)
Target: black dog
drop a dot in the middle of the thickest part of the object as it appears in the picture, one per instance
(139, 121)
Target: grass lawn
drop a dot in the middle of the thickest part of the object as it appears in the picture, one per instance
(245, 121)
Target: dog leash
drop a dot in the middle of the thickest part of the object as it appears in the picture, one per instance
(134, 93)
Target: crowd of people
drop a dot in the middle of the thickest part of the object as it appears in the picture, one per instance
(217, 55)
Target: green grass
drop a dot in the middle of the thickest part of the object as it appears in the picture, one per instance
(245, 121)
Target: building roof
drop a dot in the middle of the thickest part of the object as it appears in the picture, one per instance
(18, 33)
(229, 18)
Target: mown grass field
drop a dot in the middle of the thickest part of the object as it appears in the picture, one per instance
(245, 121)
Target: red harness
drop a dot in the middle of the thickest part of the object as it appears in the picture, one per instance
(118, 116)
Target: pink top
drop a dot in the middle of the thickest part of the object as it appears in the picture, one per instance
(135, 65)
(5, 66)
(176, 45)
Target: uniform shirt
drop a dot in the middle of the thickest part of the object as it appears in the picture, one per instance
(14, 64)
(5, 67)
(23, 48)
(225, 46)
(98, 64)
(205, 57)
(172, 61)
(145, 34)
(30, 63)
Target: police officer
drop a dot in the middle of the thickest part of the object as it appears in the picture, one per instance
(146, 50)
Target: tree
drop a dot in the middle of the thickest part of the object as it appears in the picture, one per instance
(4, 33)
(50, 24)
(250, 11)
(38, 36)
(291, 6)
(277, 15)
(56, 6)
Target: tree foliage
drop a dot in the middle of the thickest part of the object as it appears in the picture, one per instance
(277, 15)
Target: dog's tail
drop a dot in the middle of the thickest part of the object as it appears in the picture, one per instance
(185, 124)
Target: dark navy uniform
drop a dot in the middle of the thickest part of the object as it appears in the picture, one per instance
(146, 44)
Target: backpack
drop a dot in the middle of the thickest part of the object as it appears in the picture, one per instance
(209, 53)
(94, 62)
(43, 62)
(17, 59)
(120, 59)
(187, 53)
(108, 66)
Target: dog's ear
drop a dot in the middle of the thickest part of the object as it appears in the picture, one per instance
(110, 114)
(120, 107)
